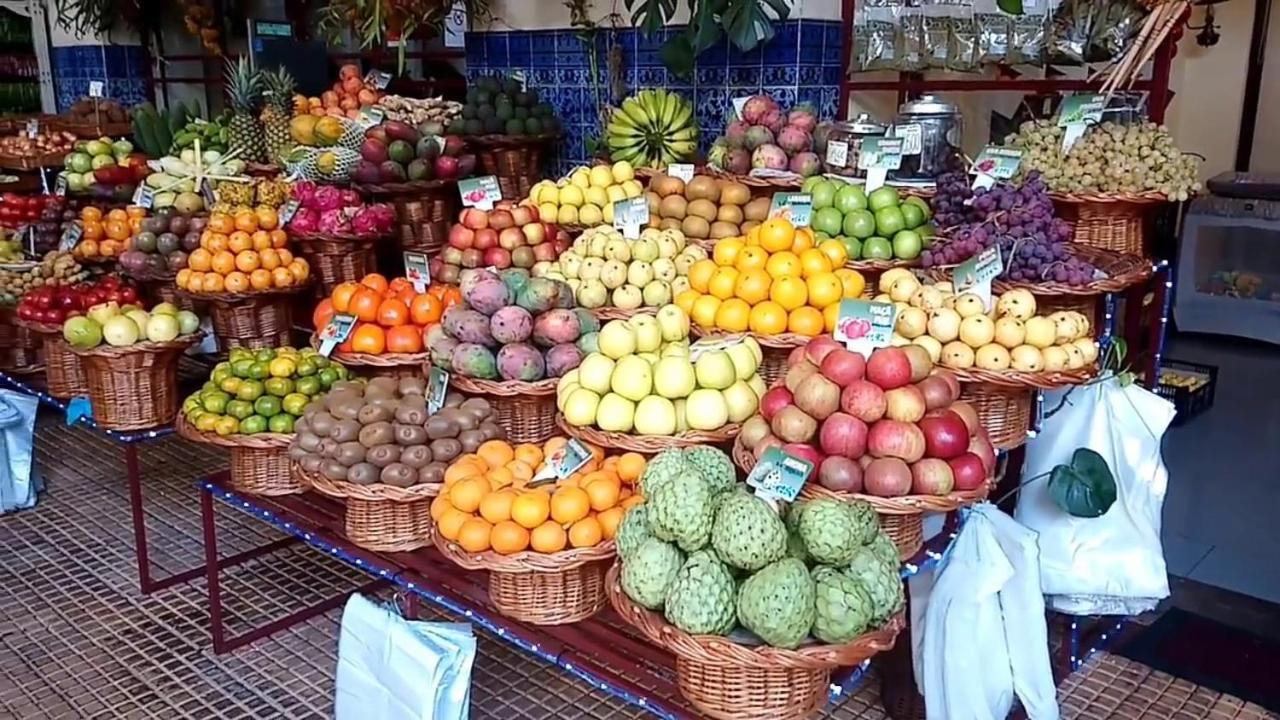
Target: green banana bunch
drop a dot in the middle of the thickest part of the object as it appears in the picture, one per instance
(653, 128)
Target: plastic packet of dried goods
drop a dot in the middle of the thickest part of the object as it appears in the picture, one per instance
(881, 49)
(993, 37)
(1071, 29)
(1027, 40)
(1120, 23)
(912, 48)
(937, 33)
(962, 43)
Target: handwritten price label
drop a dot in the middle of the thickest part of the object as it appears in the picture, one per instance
(335, 333)
(863, 325)
(480, 193)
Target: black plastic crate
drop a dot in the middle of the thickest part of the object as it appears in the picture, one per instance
(1189, 386)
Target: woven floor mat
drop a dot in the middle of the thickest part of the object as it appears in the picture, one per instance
(1110, 686)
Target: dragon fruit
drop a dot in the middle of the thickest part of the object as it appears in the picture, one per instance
(805, 164)
(306, 220)
(305, 193)
(738, 161)
(326, 197)
(775, 120)
(350, 198)
(804, 117)
(794, 139)
(364, 223)
(758, 135)
(756, 107)
(334, 222)
(769, 156)
(735, 135)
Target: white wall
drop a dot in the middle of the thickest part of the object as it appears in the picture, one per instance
(552, 14)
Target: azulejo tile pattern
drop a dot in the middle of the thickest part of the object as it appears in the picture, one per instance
(123, 67)
(800, 64)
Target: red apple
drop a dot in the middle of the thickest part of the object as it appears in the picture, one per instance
(932, 476)
(840, 474)
(819, 347)
(887, 477)
(472, 258)
(920, 361)
(485, 239)
(795, 356)
(535, 233)
(804, 451)
(968, 471)
(842, 366)
(905, 404)
(981, 446)
(866, 460)
(936, 391)
(474, 219)
(545, 251)
(968, 414)
(511, 238)
(774, 400)
(891, 438)
(500, 219)
(451, 256)
(889, 368)
(561, 243)
(497, 257)
(504, 204)
(522, 216)
(534, 215)
(950, 379)
(793, 425)
(843, 434)
(522, 257)
(945, 434)
(863, 400)
(461, 237)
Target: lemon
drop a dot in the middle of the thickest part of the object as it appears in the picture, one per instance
(571, 195)
(580, 177)
(632, 188)
(548, 193)
(568, 215)
(596, 196)
(601, 176)
(615, 193)
(547, 210)
(622, 171)
(608, 214)
(590, 215)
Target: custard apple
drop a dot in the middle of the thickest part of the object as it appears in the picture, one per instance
(777, 603)
(664, 466)
(702, 600)
(864, 558)
(842, 609)
(792, 516)
(827, 528)
(714, 465)
(796, 549)
(632, 531)
(865, 520)
(883, 548)
(747, 533)
(681, 511)
(648, 574)
(882, 583)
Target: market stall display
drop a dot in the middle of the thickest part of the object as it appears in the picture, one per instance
(337, 232)
(350, 93)
(510, 129)
(585, 196)
(653, 128)
(509, 235)
(46, 149)
(878, 230)
(766, 137)
(158, 132)
(394, 152)
(38, 217)
(391, 318)
(705, 208)
(104, 168)
(91, 117)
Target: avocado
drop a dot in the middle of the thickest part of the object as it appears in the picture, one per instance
(484, 112)
(542, 110)
(419, 170)
(484, 98)
(515, 127)
(400, 151)
(533, 126)
(474, 127)
(504, 111)
(468, 111)
(521, 113)
(511, 87)
(492, 125)
(472, 93)
(457, 126)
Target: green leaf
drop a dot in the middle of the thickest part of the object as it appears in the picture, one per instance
(748, 24)
(677, 54)
(1012, 7)
(650, 16)
(1085, 487)
(703, 30)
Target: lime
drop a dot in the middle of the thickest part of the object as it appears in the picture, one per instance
(235, 355)
(267, 405)
(230, 385)
(306, 367)
(295, 403)
(282, 423)
(926, 231)
(328, 377)
(249, 390)
(278, 386)
(911, 215)
(907, 244)
(239, 409)
(852, 247)
(341, 371)
(220, 371)
(919, 202)
(253, 424)
(215, 402)
(241, 368)
(209, 385)
(191, 403)
(320, 361)
(308, 385)
(225, 425)
(826, 221)
(282, 367)
(877, 248)
(258, 370)
(889, 221)
(195, 414)
(860, 224)
(850, 198)
(265, 355)
(207, 422)
(883, 197)
(307, 351)
(809, 184)
(823, 192)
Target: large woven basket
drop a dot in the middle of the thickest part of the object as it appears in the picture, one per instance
(396, 365)
(1005, 400)
(134, 387)
(731, 681)
(259, 463)
(252, 320)
(541, 588)
(1109, 221)
(63, 373)
(517, 162)
(649, 444)
(163, 290)
(424, 211)
(336, 259)
(20, 346)
(527, 410)
(379, 517)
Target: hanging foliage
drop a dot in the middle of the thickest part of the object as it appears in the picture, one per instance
(745, 23)
(375, 23)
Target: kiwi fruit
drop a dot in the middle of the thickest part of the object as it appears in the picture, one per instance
(695, 227)
(732, 193)
(453, 399)
(466, 420)
(757, 209)
(412, 410)
(721, 229)
(370, 414)
(382, 455)
(363, 474)
(439, 426)
(354, 386)
(669, 224)
(492, 430)
(730, 214)
(382, 385)
(408, 435)
(416, 457)
(387, 402)
(673, 206)
(666, 185)
(308, 441)
(704, 209)
(311, 463)
(399, 475)
(328, 446)
(296, 452)
(322, 424)
(345, 408)
(333, 470)
(445, 449)
(431, 474)
(379, 433)
(350, 453)
(477, 406)
(471, 439)
(654, 202)
(345, 430)
(702, 187)
(315, 406)
(413, 386)
(302, 425)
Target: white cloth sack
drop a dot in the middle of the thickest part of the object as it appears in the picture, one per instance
(1114, 564)
(19, 482)
(980, 637)
(390, 668)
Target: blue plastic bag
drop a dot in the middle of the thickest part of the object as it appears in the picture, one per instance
(19, 481)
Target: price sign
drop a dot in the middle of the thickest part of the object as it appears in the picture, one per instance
(976, 274)
(995, 163)
(837, 153)
(371, 116)
(480, 193)
(1076, 114)
(60, 184)
(630, 215)
(70, 237)
(796, 207)
(912, 136)
(415, 268)
(33, 128)
(703, 346)
(335, 333)
(287, 211)
(684, 171)
(455, 25)
(562, 463)
(437, 389)
(144, 196)
(96, 89)
(877, 156)
(740, 103)
(779, 476)
(863, 325)
(380, 79)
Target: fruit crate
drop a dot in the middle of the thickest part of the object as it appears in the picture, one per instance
(1189, 386)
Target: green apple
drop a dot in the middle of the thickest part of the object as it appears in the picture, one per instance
(850, 198)
(632, 378)
(617, 339)
(715, 370)
(823, 192)
(706, 409)
(912, 215)
(615, 413)
(907, 244)
(877, 248)
(741, 401)
(744, 361)
(594, 373)
(860, 224)
(889, 221)
(883, 197)
(647, 332)
(655, 416)
(580, 407)
(809, 183)
(828, 221)
(920, 202)
(673, 377)
(674, 323)
(852, 246)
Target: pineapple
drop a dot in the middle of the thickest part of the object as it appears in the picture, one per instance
(244, 92)
(278, 90)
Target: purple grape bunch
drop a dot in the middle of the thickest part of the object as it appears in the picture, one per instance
(1019, 219)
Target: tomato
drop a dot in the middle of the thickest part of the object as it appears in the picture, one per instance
(399, 284)
(392, 313)
(425, 309)
(323, 313)
(404, 339)
(341, 295)
(375, 281)
(364, 304)
(369, 339)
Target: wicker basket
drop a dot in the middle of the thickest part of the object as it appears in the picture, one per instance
(251, 320)
(134, 387)
(1112, 222)
(527, 410)
(259, 463)
(20, 346)
(901, 518)
(395, 365)
(159, 291)
(517, 162)
(1005, 400)
(537, 588)
(379, 517)
(63, 372)
(725, 680)
(336, 259)
(649, 444)
(424, 211)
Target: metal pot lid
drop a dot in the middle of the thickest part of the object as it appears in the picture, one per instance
(928, 105)
(864, 124)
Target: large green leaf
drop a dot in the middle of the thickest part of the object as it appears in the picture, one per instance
(704, 28)
(650, 16)
(747, 22)
(1013, 7)
(1085, 487)
(677, 54)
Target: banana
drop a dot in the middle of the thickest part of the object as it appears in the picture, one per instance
(654, 127)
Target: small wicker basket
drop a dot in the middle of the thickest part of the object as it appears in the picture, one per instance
(541, 588)
(380, 517)
(396, 365)
(20, 346)
(259, 463)
(424, 211)
(517, 162)
(649, 444)
(337, 258)
(134, 387)
(527, 410)
(251, 320)
(1109, 221)
(63, 372)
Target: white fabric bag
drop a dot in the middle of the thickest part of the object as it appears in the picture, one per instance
(390, 668)
(20, 483)
(1113, 564)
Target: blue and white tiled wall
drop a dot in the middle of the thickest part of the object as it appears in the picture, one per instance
(122, 67)
(800, 64)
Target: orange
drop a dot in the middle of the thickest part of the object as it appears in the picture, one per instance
(216, 242)
(782, 264)
(462, 469)
(830, 315)
(852, 281)
(528, 453)
(195, 283)
(248, 261)
(261, 240)
(508, 538)
(804, 240)
(269, 259)
(118, 229)
(824, 289)
(467, 494)
(569, 504)
(499, 477)
(726, 251)
(496, 453)
(451, 522)
(531, 509)
(93, 229)
(496, 506)
(212, 283)
(700, 274)
(753, 237)
(704, 311)
(835, 252)
(236, 282)
(609, 521)
(439, 506)
(805, 321)
(550, 447)
(268, 219)
(603, 493)
(286, 257)
(686, 299)
(369, 339)
(246, 221)
(281, 277)
(789, 292)
(200, 260)
(777, 234)
(239, 241)
(341, 294)
(768, 318)
(753, 285)
(224, 262)
(632, 501)
(521, 470)
(118, 214)
(375, 281)
(751, 258)
(585, 533)
(425, 309)
(183, 278)
(91, 213)
(299, 269)
(392, 312)
(813, 262)
(548, 538)
(279, 238)
(722, 282)
(631, 466)
(135, 211)
(260, 279)
(733, 315)
(473, 536)
(222, 223)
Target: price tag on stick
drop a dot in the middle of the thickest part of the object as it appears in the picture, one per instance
(60, 185)
(437, 389)
(976, 274)
(863, 325)
(995, 163)
(480, 193)
(288, 210)
(416, 269)
(70, 237)
(795, 207)
(335, 333)
(96, 89)
(371, 116)
(739, 104)
(33, 128)
(144, 196)
(630, 215)
(779, 476)
(1075, 116)
(877, 156)
(684, 171)
(380, 79)
(837, 153)
(562, 463)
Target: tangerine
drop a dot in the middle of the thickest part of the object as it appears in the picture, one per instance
(216, 242)
(439, 505)
(467, 494)
(753, 236)
(585, 533)
(223, 262)
(221, 223)
(321, 315)
(789, 292)
(118, 229)
(753, 285)
(824, 289)
(496, 453)
(299, 270)
(246, 221)
(853, 282)
(782, 264)
(508, 538)
(93, 230)
(200, 260)
(722, 282)
(529, 454)
(704, 311)
(268, 218)
(280, 277)
(236, 282)
(248, 261)
(118, 214)
(211, 283)
(184, 278)
(609, 521)
(392, 313)
(806, 321)
(777, 234)
(835, 252)
(425, 309)
(370, 340)
(700, 274)
(751, 258)
(631, 466)
(603, 492)
(686, 299)
(830, 316)
(364, 304)
(804, 240)
(260, 279)
(726, 251)
(521, 471)
(569, 504)
(239, 241)
(404, 339)
(269, 258)
(279, 238)
(813, 262)
(261, 240)
(768, 318)
(531, 509)
(548, 538)
(450, 523)
(473, 536)
(91, 213)
(496, 506)
(733, 315)
(375, 281)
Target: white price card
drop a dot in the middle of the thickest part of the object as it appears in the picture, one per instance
(1076, 114)
(437, 389)
(684, 171)
(995, 163)
(976, 274)
(912, 136)
(288, 210)
(371, 116)
(877, 156)
(562, 463)
(33, 128)
(144, 197)
(739, 103)
(793, 206)
(380, 79)
(480, 193)
(96, 89)
(837, 153)
(416, 269)
(70, 237)
(864, 325)
(335, 333)
(630, 215)
(60, 184)
(778, 476)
